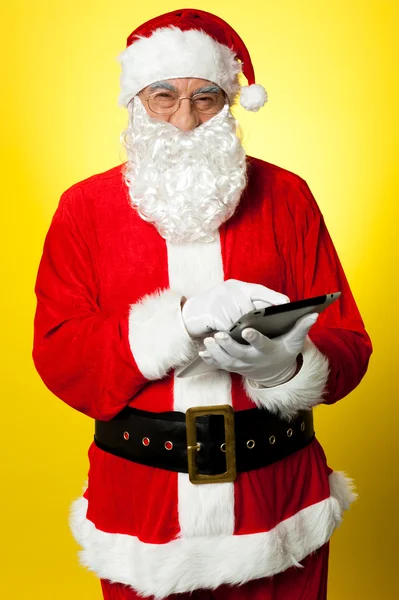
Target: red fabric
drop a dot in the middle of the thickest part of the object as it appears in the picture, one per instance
(298, 481)
(291, 251)
(100, 257)
(215, 27)
(89, 274)
(307, 583)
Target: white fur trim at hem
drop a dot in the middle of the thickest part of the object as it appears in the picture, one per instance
(158, 338)
(186, 564)
(302, 392)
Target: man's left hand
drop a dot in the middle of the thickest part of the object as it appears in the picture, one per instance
(269, 362)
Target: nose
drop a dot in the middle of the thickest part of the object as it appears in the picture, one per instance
(185, 118)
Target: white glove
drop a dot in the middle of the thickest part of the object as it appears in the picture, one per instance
(267, 362)
(220, 307)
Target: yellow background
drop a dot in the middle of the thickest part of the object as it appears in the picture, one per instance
(329, 68)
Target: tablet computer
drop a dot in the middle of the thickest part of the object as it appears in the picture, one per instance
(271, 321)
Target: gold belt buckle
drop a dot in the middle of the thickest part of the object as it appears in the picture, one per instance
(193, 447)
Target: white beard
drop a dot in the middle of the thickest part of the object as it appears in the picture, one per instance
(187, 183)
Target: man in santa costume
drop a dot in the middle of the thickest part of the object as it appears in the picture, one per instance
(140, 264)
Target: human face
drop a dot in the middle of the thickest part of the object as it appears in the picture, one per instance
(185, 117)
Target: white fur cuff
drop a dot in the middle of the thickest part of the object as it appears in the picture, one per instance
(302, 392)
(157, 336)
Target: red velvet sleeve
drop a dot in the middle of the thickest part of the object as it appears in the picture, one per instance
(339, 332)
(82, 355)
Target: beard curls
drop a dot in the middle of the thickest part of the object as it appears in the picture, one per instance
(187, 183)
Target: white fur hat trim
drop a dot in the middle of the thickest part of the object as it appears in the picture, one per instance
(170, 53)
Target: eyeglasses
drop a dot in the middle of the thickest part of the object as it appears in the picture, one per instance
(166, 103)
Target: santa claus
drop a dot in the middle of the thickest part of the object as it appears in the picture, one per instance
(139, 265)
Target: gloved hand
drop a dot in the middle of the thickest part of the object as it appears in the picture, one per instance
(267, 362)
(220, 307)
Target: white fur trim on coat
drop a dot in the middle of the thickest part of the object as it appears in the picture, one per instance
(187, 564)
(204, 510)
(302, 392)
(170, 53)
(158, 338)
(342, 488)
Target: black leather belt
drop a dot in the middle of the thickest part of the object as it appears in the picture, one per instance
(211, 443)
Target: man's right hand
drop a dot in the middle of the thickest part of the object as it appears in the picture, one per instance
(220, 307)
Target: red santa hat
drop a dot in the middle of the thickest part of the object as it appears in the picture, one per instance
(188, 43)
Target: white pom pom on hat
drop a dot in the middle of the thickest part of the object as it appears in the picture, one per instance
(253, 97)
(189, 43)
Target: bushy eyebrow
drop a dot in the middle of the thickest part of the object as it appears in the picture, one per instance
(165, 85)
(209, 89)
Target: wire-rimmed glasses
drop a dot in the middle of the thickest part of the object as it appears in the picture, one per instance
(167, 102)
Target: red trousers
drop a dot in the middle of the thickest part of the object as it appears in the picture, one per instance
(307, 583)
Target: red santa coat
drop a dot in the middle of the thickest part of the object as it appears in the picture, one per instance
(108, 333)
